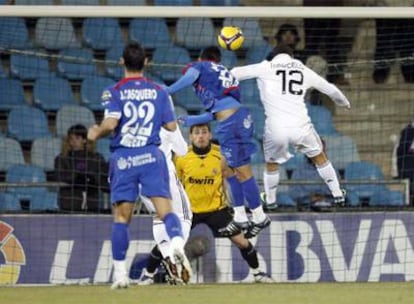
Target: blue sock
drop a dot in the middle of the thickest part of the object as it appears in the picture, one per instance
(120, 241)
(251, 192)
(172, 225)
(236, 191)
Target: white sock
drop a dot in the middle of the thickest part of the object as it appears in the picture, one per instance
(270, 183)
(240, 215)
(258, 215)
(119, 270)
(328, 174)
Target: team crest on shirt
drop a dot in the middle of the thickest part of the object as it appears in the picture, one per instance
(122, 163)
(106, 97)
(247, 122)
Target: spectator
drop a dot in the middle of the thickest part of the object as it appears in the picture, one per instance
(83, 169)
(405, 156)
(288, 35)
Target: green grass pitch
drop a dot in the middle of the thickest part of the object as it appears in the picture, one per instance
(318, 293)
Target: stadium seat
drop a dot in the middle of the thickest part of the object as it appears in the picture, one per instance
(174, 2)
(12, 94)
(150, 32)
(250, 94)
(19, 39)
(91, 91)
(68, 116)
(55, 33)
(377, 194)
(76, 64)
(11, 153)
(219, 2)
(321, 118)
(52, 99)
(126, 2)
(341, 150)
(257, 53)
(251, 30)
(294, 162)
(9, 202)
(35, 123)
(174, 58)
(40, 198)
(112, 67)
(195, 33)
(102, 146)
(188, 99)
(228, 58)
(101, 33)
(29, 67)
(80, 2)
(3, 73)
(44, 151)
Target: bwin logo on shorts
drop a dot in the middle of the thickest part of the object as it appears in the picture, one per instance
(247, 122)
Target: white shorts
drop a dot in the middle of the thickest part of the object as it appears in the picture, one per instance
(276, 141)
(179, 199)
(162, 239)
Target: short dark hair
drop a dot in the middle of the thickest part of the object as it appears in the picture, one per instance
(78, 130)
(280, 49)
(287, 27)
(134, 56)
(200, 125)
(211, 53)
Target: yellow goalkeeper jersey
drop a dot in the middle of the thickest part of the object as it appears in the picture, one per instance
(202, 179)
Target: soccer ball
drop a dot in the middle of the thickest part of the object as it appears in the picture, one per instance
(230, 38)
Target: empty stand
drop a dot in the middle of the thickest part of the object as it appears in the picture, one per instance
(341, 150)
(68, 116)
(51, 93)
(55, 33)
(258, 53)
(150, 32)
(12, 94)
(91, 91)
(44, 151)
(76, 64)
(27, 123)
(11, 153)
(20, 37)
(29, 66)
(174, 59)
(195, 33)
(102, 33)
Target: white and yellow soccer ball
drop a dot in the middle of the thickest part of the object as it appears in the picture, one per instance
(230, 38)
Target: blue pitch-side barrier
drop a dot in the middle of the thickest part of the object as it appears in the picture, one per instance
(307, 247)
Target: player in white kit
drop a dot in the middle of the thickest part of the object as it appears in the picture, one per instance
(283, 82)
(171, 142)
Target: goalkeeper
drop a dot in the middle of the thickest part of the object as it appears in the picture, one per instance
(283, 82)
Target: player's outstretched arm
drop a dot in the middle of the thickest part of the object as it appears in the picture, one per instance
(105, 128)
(190, 76)
(246, 72)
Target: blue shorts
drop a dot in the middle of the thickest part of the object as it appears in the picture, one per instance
(235, 137)
(131, 168)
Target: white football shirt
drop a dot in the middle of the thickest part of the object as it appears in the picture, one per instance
(282, 84)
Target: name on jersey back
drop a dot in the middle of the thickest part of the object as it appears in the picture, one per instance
(138, 94)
